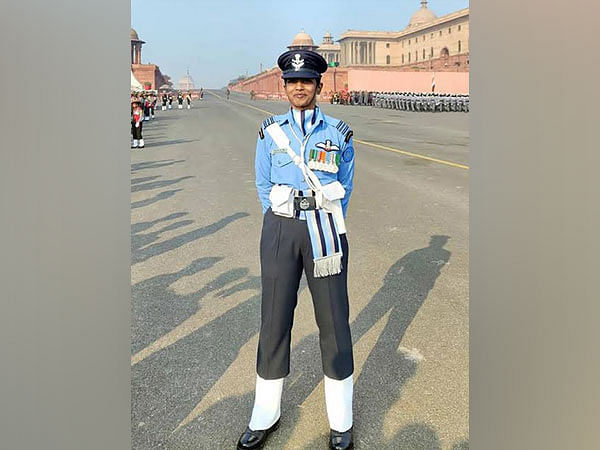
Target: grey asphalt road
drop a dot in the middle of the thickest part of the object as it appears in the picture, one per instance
(195, 227)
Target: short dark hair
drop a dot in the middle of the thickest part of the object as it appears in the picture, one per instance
(318, 80)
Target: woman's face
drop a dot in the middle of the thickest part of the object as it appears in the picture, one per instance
(302, 92)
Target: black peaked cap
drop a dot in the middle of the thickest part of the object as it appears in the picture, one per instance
(301, 64)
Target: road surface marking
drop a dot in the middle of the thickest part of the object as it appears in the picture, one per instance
(371, 144)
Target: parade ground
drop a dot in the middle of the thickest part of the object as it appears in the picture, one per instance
(195, 229)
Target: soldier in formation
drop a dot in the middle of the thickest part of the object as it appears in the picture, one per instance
(419, 101)
(146, 105)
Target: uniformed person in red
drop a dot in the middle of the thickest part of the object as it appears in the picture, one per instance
(137, 120)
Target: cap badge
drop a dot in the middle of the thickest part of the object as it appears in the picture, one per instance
(297, 62)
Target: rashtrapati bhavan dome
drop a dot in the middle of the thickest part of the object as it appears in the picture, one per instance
(427, 42)
(428, 49)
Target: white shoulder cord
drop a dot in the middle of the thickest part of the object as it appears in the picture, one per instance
(282, 141)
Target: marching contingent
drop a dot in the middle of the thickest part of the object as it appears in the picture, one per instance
(404, 101)
(416, 101)
(143, 106)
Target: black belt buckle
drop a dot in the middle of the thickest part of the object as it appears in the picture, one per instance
(305, 203)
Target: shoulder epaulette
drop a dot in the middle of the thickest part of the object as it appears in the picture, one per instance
(261, 134)
(268, 121)
(342, 127)
(348, 136)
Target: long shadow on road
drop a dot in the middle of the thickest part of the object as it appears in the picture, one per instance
(169, 142)
(156, 309)
(405, 287)
(157, 184)
(135, 167)
(379, 385)
(167, 385)
(143, 249)
(157, 198)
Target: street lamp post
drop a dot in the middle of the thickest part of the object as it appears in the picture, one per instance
(334, 84)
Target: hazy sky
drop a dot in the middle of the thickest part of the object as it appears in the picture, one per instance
(222, 39)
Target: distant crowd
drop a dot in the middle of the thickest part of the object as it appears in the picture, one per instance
(144, 104)
(405, 101)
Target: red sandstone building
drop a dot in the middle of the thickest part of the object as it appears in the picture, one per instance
(148, 75)
(429, 50)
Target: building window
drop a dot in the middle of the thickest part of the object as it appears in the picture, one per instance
(402, 58)
(449, 30)
(387, 59)
(409, 42)
(416, 56)
(423, 53)
(458, 46)
(459, 28)
(431, 35)
(440, 32)
(408, 56)
(387, 45)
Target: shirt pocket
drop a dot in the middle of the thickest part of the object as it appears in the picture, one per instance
(281, 159)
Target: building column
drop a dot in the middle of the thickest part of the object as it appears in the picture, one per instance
(361, 52)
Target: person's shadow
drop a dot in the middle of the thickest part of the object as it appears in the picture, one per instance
(405, 287)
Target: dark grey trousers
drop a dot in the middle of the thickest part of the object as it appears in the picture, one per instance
(285, 251)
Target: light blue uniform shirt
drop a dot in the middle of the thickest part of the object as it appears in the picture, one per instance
(274, 166)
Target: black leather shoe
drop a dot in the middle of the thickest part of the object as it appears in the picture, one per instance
(252, 439)
(341, 441)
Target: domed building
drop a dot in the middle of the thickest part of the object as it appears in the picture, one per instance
(136, 47)
(302, 41)
(428, 42)
(381, 60)
(186, 83)
(329, 49)
(148, 75)
(422, 16)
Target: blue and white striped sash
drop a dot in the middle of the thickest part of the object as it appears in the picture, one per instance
(325, 242)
